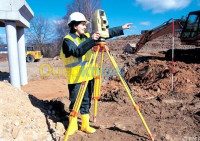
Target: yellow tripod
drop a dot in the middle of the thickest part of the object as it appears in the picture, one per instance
(101, 47)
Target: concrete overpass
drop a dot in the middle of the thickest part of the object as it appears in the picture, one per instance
(15, 15)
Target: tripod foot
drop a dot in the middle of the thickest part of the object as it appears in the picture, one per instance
(152, 136)
(94, 119)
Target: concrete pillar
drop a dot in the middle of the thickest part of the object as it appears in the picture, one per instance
(11, 35)
(22, 56)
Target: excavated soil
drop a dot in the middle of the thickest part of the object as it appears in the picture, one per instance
(39, 111)
(23, 119)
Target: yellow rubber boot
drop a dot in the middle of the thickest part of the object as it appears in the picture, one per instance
(74, 125)
(85, 124)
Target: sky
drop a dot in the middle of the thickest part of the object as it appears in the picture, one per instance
(144, 14)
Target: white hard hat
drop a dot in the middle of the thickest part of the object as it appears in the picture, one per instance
(78, 17)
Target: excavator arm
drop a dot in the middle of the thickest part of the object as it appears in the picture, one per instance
(165, 28)
(190, 31)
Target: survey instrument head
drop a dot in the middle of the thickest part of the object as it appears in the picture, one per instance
(100, 24)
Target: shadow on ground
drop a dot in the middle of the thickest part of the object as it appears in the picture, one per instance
(126, 131)
(4, 76)
(53, 110)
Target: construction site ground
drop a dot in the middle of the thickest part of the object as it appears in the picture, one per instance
(39, 111)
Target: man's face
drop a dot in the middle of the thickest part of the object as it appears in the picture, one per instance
(80, 29)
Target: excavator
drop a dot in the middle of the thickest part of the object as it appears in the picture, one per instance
(189, 28)
(190, 34)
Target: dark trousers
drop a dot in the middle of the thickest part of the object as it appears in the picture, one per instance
(86, 102)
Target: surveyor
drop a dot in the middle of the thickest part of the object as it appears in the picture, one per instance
(75, 53)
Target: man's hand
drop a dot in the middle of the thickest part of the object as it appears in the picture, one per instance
(95, 36)
(127, 26)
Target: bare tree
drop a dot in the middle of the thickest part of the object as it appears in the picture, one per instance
(41, 33)
(61, 28)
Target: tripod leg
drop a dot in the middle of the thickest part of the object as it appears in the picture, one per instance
(101, 70)
(81, 92)
(129, 93)
(96, 91)
(97, 88)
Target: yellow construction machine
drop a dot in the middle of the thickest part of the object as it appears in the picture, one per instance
(32, 55)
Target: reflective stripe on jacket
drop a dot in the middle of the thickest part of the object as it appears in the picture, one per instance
(74, 66)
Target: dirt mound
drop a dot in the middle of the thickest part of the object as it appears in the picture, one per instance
(112, 92)
(161, 43)
(154, 77)
(22, 121)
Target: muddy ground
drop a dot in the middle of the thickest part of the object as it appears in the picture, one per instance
(42, 105)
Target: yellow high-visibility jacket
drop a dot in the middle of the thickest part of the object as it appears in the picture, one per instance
(74, 66)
